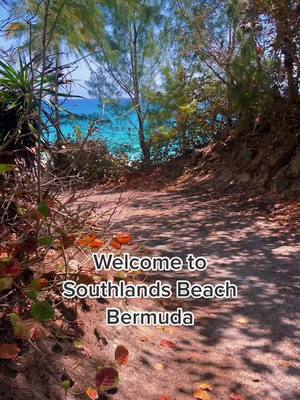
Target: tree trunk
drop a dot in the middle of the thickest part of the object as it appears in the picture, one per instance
(59, 137)
(145, 146)
(143, 143)
(289, 66)
(286, 36)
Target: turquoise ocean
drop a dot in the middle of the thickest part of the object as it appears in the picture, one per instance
(117, 125)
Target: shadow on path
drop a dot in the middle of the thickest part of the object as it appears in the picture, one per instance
(258, 355)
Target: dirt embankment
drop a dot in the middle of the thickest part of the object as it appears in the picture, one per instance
(266, 156)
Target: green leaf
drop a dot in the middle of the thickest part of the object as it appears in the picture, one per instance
(34, 285)
(33, 294)
(42, 311)
(43, 209)
(46, 241)
(37, 284)
(6, 168)
(121, 275)
(66, 384)
(17, 324)
(6, 283)
(77, 344)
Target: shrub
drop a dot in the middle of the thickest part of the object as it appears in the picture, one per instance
(88, 162)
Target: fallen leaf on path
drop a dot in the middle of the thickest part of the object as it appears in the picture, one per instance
(116, 245)
(6, 283)
(92, 393)
(201, 394)
(37, 284)
(121, 275)
(195, 356)
(96, 244)
(77, 344)
(9, 351)
(10, 268)
(32, 329)
(234, 396)
(86, 240)
(123, 238)
(243, 321)
(159, 367)
(66, 384)
(145, 339)
(16, 322)
(107, 378)
(166, 329)
(136, 274)
(285, 364)
(121, 355)
(168, 344)
(204, 386)
(27, 329)
(42, 311)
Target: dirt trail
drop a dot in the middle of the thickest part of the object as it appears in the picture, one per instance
(246, 346)
(258, 358)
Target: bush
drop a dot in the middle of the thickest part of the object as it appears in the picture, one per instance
(89, 161)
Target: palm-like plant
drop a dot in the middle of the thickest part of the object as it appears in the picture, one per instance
(19, 94)
(76, 24)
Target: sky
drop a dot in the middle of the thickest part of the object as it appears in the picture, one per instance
(80, 75)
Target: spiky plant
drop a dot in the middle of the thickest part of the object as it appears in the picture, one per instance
(19, 94)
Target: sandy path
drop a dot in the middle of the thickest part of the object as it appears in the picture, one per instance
(260, 358)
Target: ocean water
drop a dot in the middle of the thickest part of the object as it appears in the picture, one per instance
(117, 125)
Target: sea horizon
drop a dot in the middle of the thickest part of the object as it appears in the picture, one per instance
(117, 128)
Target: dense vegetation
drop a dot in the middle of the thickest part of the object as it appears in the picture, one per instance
(191, 69)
